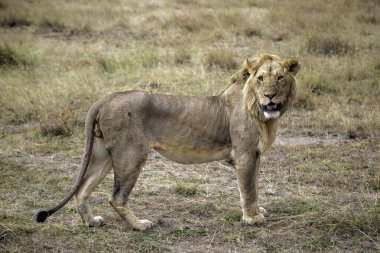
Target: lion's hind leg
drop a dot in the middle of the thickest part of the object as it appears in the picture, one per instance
(100, 165)
(127, 165)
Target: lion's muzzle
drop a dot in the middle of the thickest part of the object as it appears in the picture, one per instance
(271, 110)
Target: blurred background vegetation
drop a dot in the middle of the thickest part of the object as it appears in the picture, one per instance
(57, 58)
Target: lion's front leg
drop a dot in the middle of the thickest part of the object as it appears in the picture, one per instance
(247, 172)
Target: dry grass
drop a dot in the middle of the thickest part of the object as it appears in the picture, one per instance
(222, 58)
(329, 45)
(57, 58)
(15, 55)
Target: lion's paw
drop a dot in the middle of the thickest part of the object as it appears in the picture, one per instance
(257, 219)
(142, 225)
(97, 221)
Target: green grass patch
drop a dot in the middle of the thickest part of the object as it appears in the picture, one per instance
(321, 242)
(7, 165)
(337, 166)
(297, 207)
(182, 232)
(240, 237)
(231, 217)
(204, 210)
(316, 84)
(186, 190)
(304, 167)
(149, 241)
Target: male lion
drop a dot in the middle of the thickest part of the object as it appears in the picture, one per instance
(239, 124)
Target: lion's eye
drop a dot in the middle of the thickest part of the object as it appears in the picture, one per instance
(279, 78)
(260, 79)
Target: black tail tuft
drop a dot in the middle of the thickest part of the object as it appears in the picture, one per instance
(42, 216)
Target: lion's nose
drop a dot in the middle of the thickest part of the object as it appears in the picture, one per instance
(270, 95)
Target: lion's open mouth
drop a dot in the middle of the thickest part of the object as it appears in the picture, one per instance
(272, 107)
(271, 110)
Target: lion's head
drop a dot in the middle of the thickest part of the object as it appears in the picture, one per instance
(271, 87)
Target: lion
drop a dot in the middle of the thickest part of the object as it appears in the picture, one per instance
(237, 125)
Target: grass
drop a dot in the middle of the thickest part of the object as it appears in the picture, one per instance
(222, 58)
(57, 58)
(329, 45)
(13, 18)
(15, 55)
(186, 190)
(332, 214)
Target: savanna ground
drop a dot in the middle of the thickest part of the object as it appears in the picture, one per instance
(319, 182)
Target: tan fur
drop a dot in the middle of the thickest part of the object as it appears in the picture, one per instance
(239, 125)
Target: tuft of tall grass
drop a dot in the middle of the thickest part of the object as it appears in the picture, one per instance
(182, 56)
(106, 64)
(363, 217)
(230, 22)
(304, 101)
(222, 58)
(12, 16)
(189, 22)
(58, 121)
(55, 124)
(369, 19)
(134, 61)
(316, 83)
(15, 55)
(305, 97)
(252, 32)
(52, 25)
(186, 190)
(14, 21)
(327, 45)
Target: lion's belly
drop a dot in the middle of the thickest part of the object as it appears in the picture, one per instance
(189, 155)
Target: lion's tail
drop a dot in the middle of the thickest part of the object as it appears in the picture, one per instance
(90, 127)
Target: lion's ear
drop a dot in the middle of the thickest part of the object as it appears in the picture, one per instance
(292, 66)
(249, 65)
